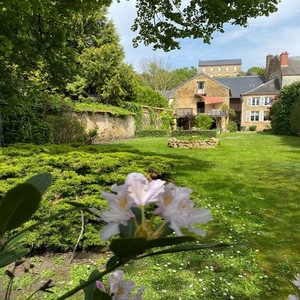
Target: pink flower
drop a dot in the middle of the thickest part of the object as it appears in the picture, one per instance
(100, 286)
(121, 289)
(176, 207)
(141, 190)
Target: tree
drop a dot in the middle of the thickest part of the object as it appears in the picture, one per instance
(156, 73)
(162, 22)
(282, 110)
(147, 96)
(295, 118)
(258, 70)
(182, 74)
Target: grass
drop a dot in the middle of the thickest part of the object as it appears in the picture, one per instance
(251, 183)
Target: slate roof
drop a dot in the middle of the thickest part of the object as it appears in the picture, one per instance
(241, 84)
(219, 62)
(271, 87)
(167, 94)
(293, 68)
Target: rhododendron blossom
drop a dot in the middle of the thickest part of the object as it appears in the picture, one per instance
(120, 289)
(173, 206)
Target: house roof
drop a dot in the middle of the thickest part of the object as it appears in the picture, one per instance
(219, 62)
(271, 87)
(293, 68)
(241, 84)
(198, 74)
(167, 94)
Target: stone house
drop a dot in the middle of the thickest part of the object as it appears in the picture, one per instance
(249, 96)
(201, 94)
(281, 70)
(220, 67)
(238, 86)
(256, 105)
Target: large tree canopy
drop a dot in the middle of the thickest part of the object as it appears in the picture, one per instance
(30, 28)
(161, 22)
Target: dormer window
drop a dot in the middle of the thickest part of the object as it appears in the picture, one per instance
(200, 88)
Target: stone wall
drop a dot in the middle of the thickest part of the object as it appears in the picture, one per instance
(108, 127)
(194, 144)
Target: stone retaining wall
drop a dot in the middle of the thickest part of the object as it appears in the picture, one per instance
(194, 144)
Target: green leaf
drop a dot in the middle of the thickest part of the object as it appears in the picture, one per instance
(169, 241)
(11, 242)
(112, 262)
(127, 247)
(190, 247)
(11, 256)
(17, 206)
(41, 182)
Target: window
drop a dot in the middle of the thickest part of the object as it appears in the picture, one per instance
(211, 69)
(227, 68)
(234, 68)
(253, 101)
(219, 74)
(219, 68)
(254, 116)
(266, 115)
(257, 116)
(200, 88)
(203, 69)
(266, 101)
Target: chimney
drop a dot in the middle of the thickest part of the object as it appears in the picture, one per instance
(268, 62)
(284, 59)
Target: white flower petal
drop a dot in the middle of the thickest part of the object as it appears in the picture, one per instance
(109, 230)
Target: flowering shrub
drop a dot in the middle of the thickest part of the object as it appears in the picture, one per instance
(139, 232)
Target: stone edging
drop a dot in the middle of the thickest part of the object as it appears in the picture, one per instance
(193, 144)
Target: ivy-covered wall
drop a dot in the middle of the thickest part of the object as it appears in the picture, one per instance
(106, 126)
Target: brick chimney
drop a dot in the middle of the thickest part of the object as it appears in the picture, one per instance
(284, 59)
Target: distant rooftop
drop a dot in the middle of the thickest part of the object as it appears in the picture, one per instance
(219, 62)
(240, 85)
(269, 88)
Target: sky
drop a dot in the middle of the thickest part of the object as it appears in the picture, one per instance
(265, 35)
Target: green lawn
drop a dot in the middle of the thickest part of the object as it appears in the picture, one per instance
(251, 183)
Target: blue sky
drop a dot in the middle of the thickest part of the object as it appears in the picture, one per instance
(265, 35)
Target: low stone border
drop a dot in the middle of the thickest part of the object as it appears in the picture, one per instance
(193, 144)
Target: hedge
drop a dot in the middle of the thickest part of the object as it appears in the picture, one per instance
(200, 133)
(152, 133)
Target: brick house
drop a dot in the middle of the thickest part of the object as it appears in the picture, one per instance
(220, 67)
(200, 95)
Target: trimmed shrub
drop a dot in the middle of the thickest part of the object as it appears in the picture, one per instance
(203, 121)
(252, 127)
(232, 126)
(79, 174)
(152, 133)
